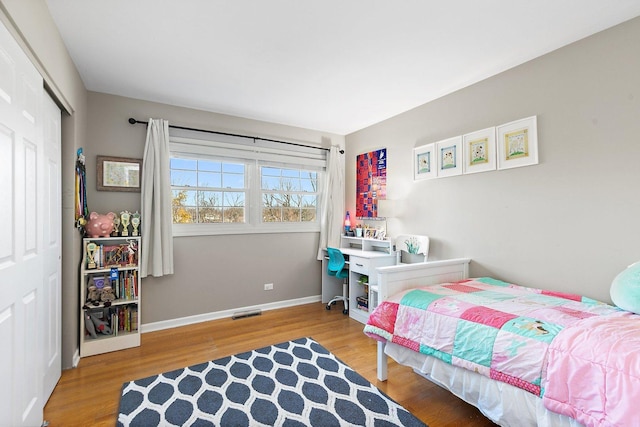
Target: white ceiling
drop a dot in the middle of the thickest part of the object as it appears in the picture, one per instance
(331, 65)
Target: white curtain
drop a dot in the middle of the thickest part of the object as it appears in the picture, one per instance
(332, 210)
(157, 239)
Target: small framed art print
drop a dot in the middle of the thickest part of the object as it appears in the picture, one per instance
(449, 156)
(518, 143)
(479, 151)
(118, 174)
(424, 162)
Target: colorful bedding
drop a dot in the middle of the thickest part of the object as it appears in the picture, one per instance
(593, 372)
(497, 329)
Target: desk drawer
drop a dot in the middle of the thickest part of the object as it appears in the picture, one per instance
(359, 265)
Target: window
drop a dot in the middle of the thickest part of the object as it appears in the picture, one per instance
(207, 191)
(218, 188)
(289, 195)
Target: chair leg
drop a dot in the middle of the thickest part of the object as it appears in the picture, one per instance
(344, 298)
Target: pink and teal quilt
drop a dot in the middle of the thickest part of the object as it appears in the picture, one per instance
(497, 329)
(509, 332)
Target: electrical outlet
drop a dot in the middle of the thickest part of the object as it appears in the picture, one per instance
(268, 286)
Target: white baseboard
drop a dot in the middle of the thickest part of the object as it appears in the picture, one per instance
(189, 320)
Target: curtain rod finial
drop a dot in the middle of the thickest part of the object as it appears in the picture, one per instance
(132, 120)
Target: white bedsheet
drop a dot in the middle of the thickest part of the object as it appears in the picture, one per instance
(502, 403)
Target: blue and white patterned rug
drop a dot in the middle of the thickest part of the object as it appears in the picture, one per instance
(296, 383)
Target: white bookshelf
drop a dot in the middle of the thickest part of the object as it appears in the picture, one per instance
(115, 262)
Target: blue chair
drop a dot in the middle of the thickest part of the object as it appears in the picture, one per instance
(336, 267)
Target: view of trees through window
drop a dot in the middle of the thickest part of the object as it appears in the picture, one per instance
(288, 195)
(219, 191)
(206, 191)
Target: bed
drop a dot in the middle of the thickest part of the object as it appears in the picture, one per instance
(523, 356)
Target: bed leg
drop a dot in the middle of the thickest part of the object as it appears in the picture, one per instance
(382, 362)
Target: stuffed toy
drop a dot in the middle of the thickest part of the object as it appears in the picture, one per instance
(100, 325)
(93, 295)
(625, 289)
(89, 326)
(107, 295)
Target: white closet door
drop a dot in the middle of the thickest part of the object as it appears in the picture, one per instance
(22, 211)
(52, 248)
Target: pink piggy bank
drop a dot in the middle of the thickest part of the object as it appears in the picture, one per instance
(100, 225)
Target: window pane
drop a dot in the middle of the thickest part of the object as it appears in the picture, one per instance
(233, 199)
(177, 163)
(290, 184)
(291, 173)
(209, 215)
(308, 185)
(270, 183)
(309, 201)
(184, 197)
(271, 215)
(233, 167)
(208, 165)
(209, 179)
(308, 214)
(182, 178)
(291, 215)
(232, 181)
(270, 171)
(235, 214)
(209, 198)
(184, 214)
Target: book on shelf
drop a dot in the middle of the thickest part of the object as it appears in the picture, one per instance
(124, 318)
(363, 302)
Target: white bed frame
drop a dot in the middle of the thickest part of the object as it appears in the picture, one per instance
(397, 278)
(504, 404)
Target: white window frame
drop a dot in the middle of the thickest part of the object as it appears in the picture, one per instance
(253, 154)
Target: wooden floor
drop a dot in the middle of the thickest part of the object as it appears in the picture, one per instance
(89, 394)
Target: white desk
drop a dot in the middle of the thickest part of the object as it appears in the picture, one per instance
(361, 262)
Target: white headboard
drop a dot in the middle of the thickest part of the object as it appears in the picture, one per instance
(396, 278)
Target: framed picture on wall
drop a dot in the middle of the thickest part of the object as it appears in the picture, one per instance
(371, 182)
(479, 151)
(449, 157)
(424, 162)
(118, 174)
(518, 143)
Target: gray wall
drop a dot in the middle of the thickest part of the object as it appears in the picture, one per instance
(212, 273)
(570, 223)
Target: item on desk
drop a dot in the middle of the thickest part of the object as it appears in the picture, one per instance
(347, 224)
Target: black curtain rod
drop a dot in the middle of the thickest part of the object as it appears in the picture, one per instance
(134, 121)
